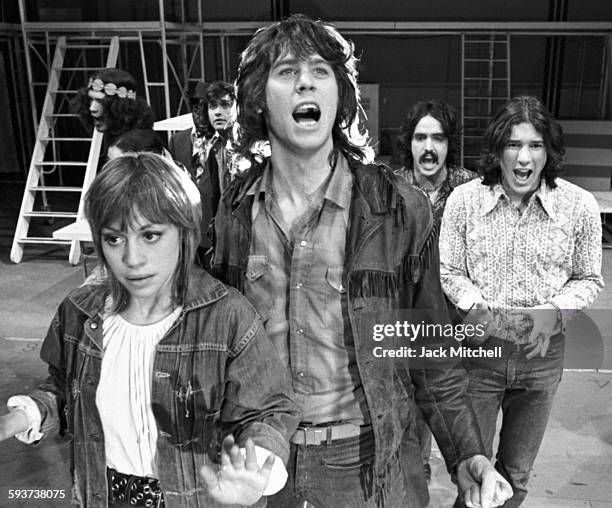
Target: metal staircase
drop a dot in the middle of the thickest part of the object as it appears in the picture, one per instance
(485, 87)
(57, 150)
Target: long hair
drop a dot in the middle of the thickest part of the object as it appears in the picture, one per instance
(139, 140)
(443, 113)
(302, 37)
(214, 93)
(524, 108)
(148, 185)
(120, 114)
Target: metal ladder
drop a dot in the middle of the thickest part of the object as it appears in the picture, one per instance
(485, 87)
(57, 149)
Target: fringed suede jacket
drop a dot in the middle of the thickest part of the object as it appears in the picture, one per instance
(391, 264)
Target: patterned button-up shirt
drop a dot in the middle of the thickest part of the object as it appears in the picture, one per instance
(551, 252)
(296, 281)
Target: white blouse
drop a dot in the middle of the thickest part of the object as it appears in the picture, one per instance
(123, 397)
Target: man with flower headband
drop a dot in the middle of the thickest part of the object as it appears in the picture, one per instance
(109, 104)
(206, 150)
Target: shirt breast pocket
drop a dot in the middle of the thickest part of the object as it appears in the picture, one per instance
(335, 289)
(334, 277)
(258, 284)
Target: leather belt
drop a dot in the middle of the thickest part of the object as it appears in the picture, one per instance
(312, 436)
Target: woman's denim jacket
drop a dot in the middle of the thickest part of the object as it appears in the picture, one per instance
(391, 263)
(215, 371)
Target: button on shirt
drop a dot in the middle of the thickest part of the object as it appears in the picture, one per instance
(551, 252)
(295, 280)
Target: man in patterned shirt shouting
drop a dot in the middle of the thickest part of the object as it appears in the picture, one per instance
(521, 249)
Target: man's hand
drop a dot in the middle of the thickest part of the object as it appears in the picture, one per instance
(480, 315)
(545, 321)
(480, 485)
(238, 480)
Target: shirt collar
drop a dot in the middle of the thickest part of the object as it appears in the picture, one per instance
(260, 184)
(543, 195)
(338, 189)
(340, 184)
(546, 197)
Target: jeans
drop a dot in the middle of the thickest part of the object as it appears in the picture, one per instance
(339, 475)
(524, 390)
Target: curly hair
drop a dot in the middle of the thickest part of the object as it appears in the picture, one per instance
(302, 37)
(121, 114)
(443, 113)
(214, 93)
(524, 108)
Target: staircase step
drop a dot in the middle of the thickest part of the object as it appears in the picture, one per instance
(62, 115)
(485, 60)
(43, 239)
(88, 69)
(63, 215)
(52, 188)
(60, 163)
(484, 78)
(65, 139)
(486, 41)
(86, 46)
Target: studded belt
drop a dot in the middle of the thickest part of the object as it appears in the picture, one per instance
(134, 490)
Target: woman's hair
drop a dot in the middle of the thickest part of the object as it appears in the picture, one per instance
(521, 109)
(302, 37)
(123, 111)
(154, 188)
(139, 140)
(443, 113)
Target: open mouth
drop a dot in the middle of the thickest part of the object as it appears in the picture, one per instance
(307, 114)
(522, 175)
(429, 158)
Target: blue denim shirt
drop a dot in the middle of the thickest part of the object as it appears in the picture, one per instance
(391, 263)
(215, 371)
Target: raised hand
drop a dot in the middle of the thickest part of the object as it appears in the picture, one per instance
(238, 480)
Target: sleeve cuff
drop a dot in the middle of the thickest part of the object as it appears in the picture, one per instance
(29, 407)
(469, 301)
(565, 313)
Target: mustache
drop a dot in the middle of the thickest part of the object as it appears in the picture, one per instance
(429, 153)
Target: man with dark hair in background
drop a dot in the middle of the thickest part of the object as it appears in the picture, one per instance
(316, 237)
(430, 145)
(521, 249)
(206, 150)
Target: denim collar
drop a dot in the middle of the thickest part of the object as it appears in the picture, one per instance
(203, 289)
